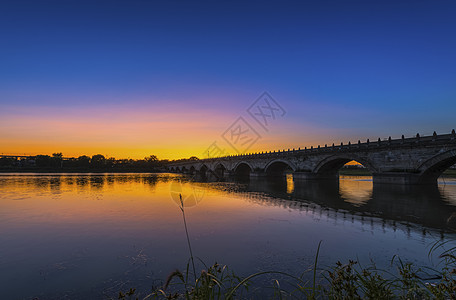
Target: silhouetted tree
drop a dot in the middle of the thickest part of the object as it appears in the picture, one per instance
(151, 162)
(83, 161)
(98, 161)
(70, 163)
(151, 158)
(43, 161)
(7, 162)
(110, 162)
(56, 160)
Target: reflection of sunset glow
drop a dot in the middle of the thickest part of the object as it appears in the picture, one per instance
(290, 184)
(356, 192)
(123, 199)
(70, 199)
(111, 218)
(446, 187)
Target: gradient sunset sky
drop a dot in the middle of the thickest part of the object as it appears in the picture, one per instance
(135, 78)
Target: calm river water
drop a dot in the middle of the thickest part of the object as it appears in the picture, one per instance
(88, 236)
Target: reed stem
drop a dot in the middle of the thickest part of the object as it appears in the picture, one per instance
(186, 233)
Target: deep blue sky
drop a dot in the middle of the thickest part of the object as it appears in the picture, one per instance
(349, 68)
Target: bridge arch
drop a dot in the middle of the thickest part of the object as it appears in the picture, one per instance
(431, 169)
(192, 170)
(203, 172)
(203, 168)
(331, 165)
(220, 170)
(220, 164)
(243, 168)
(278, 167)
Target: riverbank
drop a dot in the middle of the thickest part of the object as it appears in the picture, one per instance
(346, 172)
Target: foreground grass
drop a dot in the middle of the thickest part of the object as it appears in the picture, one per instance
(347, 280)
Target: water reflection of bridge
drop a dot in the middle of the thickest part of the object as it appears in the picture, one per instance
(354, 199)
(433, 207)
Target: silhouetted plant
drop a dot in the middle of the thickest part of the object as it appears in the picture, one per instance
(343, 281)
(182, 208)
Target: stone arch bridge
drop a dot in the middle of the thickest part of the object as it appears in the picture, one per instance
(416, 160)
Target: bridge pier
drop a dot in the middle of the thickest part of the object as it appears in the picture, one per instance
(230, 174)
(313, 176)
(402, 178)
(258, 174)
(397, 178)
(220, 176)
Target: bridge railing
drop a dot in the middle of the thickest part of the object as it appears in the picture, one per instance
(417, 140)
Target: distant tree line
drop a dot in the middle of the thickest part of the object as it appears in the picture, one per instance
(83, 163)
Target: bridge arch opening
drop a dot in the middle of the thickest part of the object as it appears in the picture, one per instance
(203, 169)
(220, 171)
(278, 168)
(354, 168)
(440, 165)
(243, 170)
(203, 172)
(192, 170)
(332, 167)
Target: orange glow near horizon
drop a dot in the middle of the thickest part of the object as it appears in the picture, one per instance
(121, 133)
(353, 163)
(124, 132)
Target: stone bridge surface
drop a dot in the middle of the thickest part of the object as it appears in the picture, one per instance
(417, 160)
